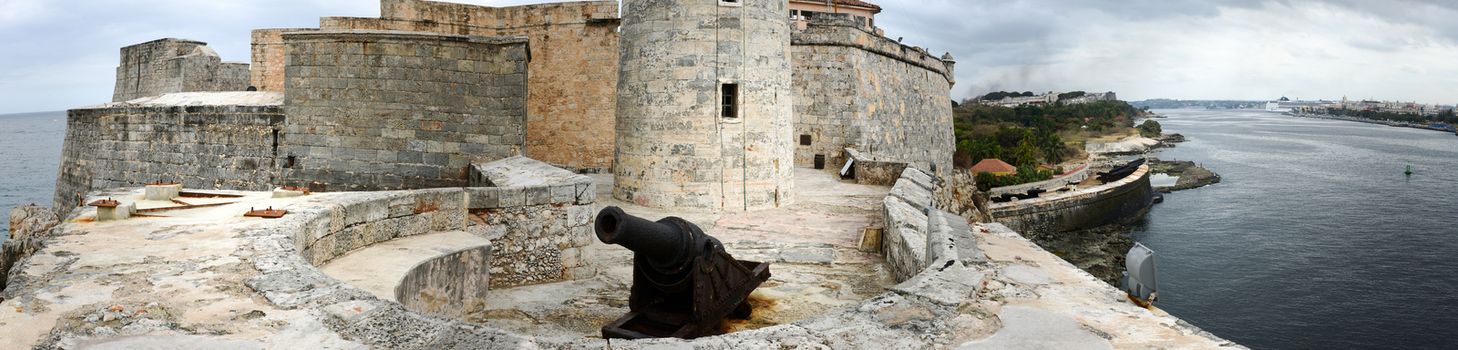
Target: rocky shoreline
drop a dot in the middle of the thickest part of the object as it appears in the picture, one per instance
(1191, 175)
(1099, 251)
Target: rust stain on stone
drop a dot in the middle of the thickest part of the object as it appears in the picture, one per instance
(425, 206)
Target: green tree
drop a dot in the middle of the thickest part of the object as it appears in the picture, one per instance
(1025, 154)
(1150, 128)
(980, 148)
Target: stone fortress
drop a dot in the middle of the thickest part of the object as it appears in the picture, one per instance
(451, 157)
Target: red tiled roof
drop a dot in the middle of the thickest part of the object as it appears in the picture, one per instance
(992, 165)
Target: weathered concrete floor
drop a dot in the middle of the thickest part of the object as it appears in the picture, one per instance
(811, 245)
(153, 277)
(379, 268)
(1048, 303)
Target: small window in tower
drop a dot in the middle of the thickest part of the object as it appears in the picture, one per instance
(804, 139)
(730, 100)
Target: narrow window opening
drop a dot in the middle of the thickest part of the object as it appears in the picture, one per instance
(290, 162)
(805, 140)
(730, 101)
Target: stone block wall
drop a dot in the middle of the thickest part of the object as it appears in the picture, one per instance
(174, 65)
(573, 76)
(675, 150)
(855, 89)
(372, 110)
(217, 146)
(538, 218)
(268, 58)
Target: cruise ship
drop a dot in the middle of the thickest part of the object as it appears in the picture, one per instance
(1284, 105)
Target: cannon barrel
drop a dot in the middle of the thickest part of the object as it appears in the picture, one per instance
(663, 243)
(684, 282)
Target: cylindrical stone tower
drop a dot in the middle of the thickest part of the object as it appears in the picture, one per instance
(704, 107)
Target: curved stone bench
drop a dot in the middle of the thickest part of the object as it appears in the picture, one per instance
(448, 285)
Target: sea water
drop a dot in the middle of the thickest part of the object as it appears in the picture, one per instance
(30, 156)
(1314, 238)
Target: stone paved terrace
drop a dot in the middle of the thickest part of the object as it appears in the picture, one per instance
(208, 278)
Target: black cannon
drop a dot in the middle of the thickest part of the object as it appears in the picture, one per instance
(684, 283)
(1120, 172)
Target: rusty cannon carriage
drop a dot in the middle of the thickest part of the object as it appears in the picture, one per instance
(684, 282)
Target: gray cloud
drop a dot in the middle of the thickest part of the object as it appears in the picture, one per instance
(62, 54)
(1249, 49)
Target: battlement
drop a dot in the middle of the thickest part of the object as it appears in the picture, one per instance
(844, 30)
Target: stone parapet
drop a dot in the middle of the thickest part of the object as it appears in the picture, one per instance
(209, 143)
(843, 30)
(918, 234)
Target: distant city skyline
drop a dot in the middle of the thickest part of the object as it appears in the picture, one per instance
(60, 55)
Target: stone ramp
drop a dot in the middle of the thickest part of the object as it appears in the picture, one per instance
(378, 269)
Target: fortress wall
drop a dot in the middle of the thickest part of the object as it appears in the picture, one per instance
(202, 147)
(573, 69)
(1088, 208)
(174, 65)
(855, 89)
(269, 52)
(376, 110)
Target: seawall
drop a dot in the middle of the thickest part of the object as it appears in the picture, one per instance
(1111, 203)
(1084, 227)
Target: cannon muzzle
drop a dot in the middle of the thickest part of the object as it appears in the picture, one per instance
(663, 243)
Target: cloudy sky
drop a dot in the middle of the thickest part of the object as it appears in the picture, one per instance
(57, 54)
